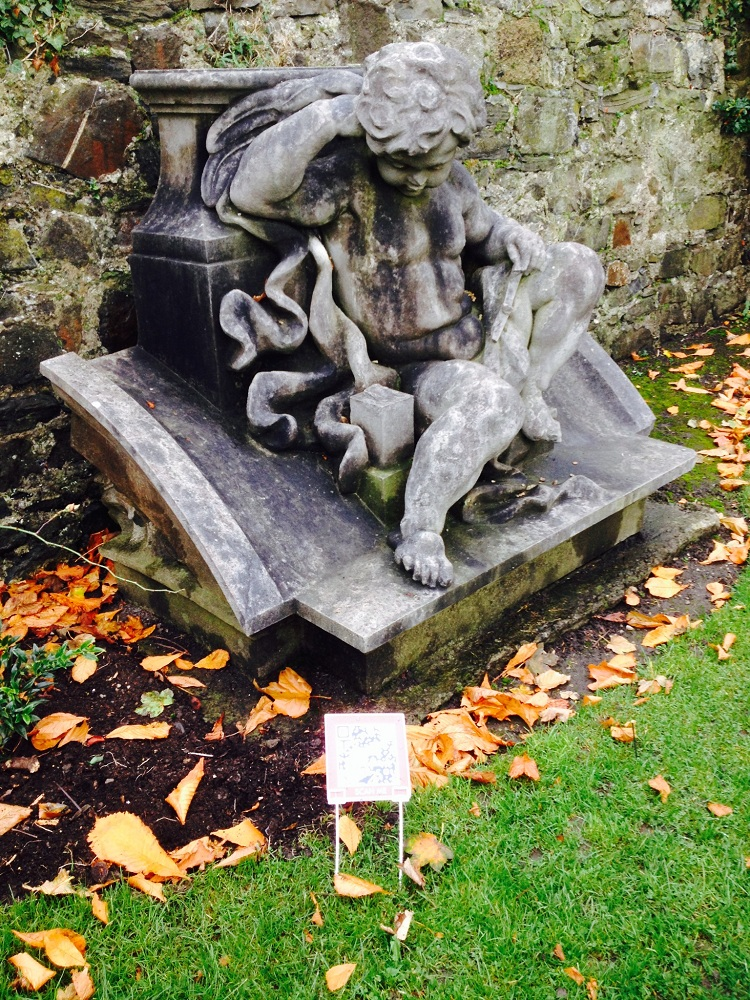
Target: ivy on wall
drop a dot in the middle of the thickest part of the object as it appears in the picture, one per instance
(32, 31)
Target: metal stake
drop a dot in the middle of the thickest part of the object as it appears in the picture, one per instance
(338, 843)
(400, 841)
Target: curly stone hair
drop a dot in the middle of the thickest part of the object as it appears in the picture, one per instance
(414, 94)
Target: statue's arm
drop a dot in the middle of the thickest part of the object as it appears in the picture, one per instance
(491, 237)
(274, 174)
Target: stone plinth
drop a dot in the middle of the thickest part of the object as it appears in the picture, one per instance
(387, 418)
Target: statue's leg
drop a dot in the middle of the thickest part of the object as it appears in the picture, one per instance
(561, 298)
(471, 415)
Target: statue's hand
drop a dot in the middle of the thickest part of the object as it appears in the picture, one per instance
(344, 117)
(526, 250)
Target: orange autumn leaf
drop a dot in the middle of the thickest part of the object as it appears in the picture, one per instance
(475, 810)
(719, 809)
(145, 885)
(339, 975)
(638, 620)
(83, 983)
(99, 908)
(63, 947)
(58, 729)
(216, 660)
(198, 853)
(317, 917)
(11, 816)
(619, 644)
(591, 699)
(624, 733)
(350, 885)
(426, 849)
(241, 854)
(83, 668)
(184, 682)
(263, 712)
(217, 730)
(141, 731)
(657, 586)
(574, 974)
(154, 663)
(608, 675)
(349, 833)
(132, 630)
(550, 679)
(523, 654)
(666, 572)
(558, 952)
(524, 766)
(291, 694)
(592, 989)
(124, 839)
(182, 794)
(33, 975)
(243, 834)
(660, 785)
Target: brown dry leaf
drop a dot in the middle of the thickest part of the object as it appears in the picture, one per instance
(83, 668)
(591, 699)
(241, 854)
(558, 952)
(557, 711)
(682, 386)
(182, 664)
(413, 873)
(318, 766)
(657, 586)
(60, 885)
(317, 917)
(666, 572)
(475, 810)
(737, 525)
(141, 731)
(349, 833)
(154, 663)
(291, 694)
(182, 794)
(58, 729)
(717, 592)
(523, 766)
(719, 809)
(143, 884)
(673, 410)
(32, 973)
(184, 682)
(592, 989)
(83, 984)
(124, 839)
(339, 975)
(638, 620)
(52, 810)
(308, 936)
(63, 947)
(99, 908)
(523, 654)
(574, 974)
(624, 733)
(132, 630)
(244, 834)
(198, 853)
(350, 885)
(649, 686)
(216, 660)
(481, 777)
(217, 730)
(550, 679)
(658, 636)
(619, 644)
(263, 712)
(11, 816)
(631, 597)
(606, 675)
(660, 785)
(426, 849)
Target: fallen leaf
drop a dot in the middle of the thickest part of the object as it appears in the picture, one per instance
(631, 597)
(666, 572)
(64, 948)
(83, 668)
(523, 766)
(719, 809)
(638, 620)
(401, 925)
(318, 766)
(11, 816)
(608, 675)
(58, 729)
(241, 854)
(673, 410)
(426, 849)
(339, 975)
(145, 885)
(124, 839)
(154, 663)
(317, 917)
(83, 984)
(141, 731)
(624, 733)
(737, 525)
(198, 853)
(263, 712)
(663, 588)
(182, 794)
(523, 654)
(717, 593)
(153, 703)
(558, 952)
(412, 872)
(682, 386)
(244, 834)
(481, 777)
(184, 682)
(592, 989)
(216, 660)
(291, 694)
(349, 833)
(99, 908)
(217, 730)
(591, 699)
(574, 974)
(33, 974)
(550, 679)
(350, 885)
(60, 885)
(308, 936)
(619, 644)
(475, 810)
(661, 786)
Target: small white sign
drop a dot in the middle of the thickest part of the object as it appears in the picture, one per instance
(367, 758)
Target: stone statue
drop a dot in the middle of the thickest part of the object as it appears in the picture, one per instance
(381, 231)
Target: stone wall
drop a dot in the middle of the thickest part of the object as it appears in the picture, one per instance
(600, 130)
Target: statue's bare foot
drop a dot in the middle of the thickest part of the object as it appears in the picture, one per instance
(540, 423)
(423, 555)
(354, 461)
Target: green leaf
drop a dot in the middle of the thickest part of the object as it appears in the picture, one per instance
(153, 703)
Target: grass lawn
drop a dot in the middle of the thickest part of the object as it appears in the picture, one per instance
(649, 899)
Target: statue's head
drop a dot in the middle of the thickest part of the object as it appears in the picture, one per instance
(419, 102)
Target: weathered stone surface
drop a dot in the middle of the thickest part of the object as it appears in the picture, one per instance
(21, 411)
(14, 250)
(621, 234)
(545, 124)
(69, 237)
(708, 212)
(674, 263)
(418, 10)
(90, 31)
(519, 50)
(387, 418)
(110, 65)
(23, 347)
(86, 129)
(368, 26)
(618, 274)
(234, 4)
(304, 8)
(656, 55)
(118, 328)
(125, 12)
(156, 47)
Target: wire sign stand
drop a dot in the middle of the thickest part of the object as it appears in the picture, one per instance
(367, 761)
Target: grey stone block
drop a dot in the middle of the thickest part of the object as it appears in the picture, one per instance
(545, 124)
(387, 418)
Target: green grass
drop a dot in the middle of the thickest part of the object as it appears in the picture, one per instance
(650, 899)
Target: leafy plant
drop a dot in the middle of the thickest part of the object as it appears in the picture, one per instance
(153, 703)
(735, 115)
(33, 28)
(725, 18)
(25, 676)
(241, 41)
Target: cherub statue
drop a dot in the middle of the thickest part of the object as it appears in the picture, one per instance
(357, 176)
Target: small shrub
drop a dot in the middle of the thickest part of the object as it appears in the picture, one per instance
(25, 676)
(33, 29)
(735, 115)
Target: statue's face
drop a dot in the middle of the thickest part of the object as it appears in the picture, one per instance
(412, 174)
